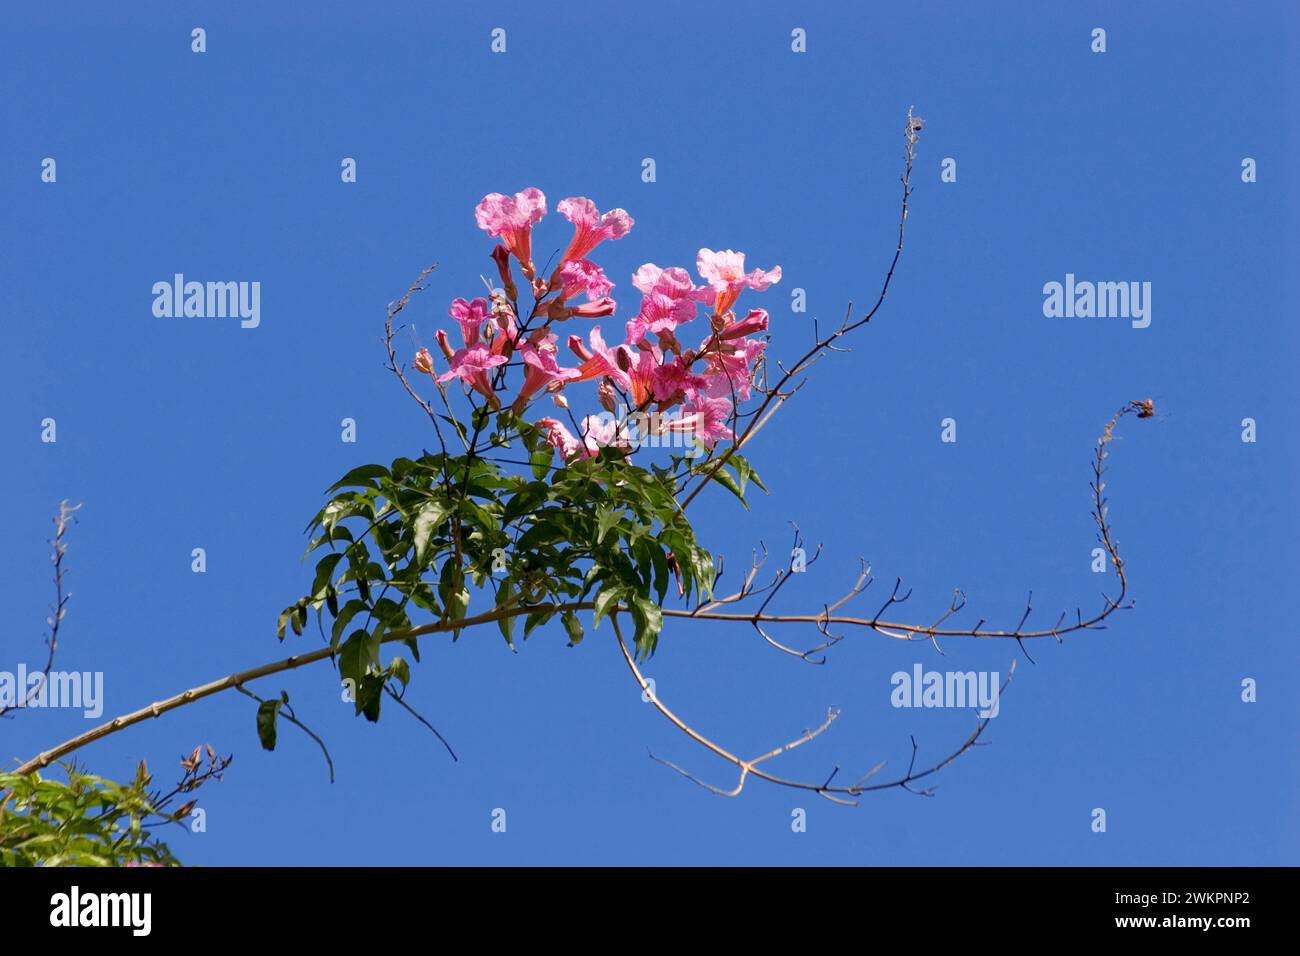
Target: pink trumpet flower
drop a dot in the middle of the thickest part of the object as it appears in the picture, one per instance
(590, 227)
(659, 313)
(730, 372)
(674, 282)
(592, 310)
(583, 276)
(756, 321)
(471, 316)
(725, 274)
(512, 219)
(542, 369)
(471, 366)
(600, 431)
(600, 360)
(705, 417)
(672, 380)
(559, 437)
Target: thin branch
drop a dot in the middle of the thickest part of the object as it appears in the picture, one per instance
(416, 714)
(749, 768)
(64, 518)
(287, 713)
(823, 345)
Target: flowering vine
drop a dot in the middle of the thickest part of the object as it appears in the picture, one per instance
(536, 507)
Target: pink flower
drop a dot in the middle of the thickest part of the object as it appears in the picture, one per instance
(730, 372)
(501, 256)
(707, 418)
(471, 366)
(593, 310)
(603, 431)
(602, 360)
(583, 275)
(512, 218)
(756, 321)
(503, 327)
(590, 227)
(674, 282)
(470, 315)
(642, 373)
(659, 313)
(542, 369)
(559, 437)
(672, 380)
(444, 344)
(725, 274)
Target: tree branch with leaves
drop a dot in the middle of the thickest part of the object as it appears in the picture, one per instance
(520, 518)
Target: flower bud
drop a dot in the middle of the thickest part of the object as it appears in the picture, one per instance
(501, 255)
(608, 398)
(423, 362)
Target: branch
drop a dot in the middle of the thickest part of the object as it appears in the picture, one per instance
(931, 632)
(286, 711)
(64, 518)
(775, 397)
(750, 768)
(230, 681)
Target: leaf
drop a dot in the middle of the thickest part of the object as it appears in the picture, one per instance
(285, 615)
(360, 477)
(505, 598)
(605, 519)
(341, 621)
(536, 619)
(431, 516)
(573, 626)
(267, 711)
(526, 501)
(541, 462)
(324, 574)
(605, 600)
(723, 477)
(356, 655)
(649, 621)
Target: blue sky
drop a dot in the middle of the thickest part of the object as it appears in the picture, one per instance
(184, 433)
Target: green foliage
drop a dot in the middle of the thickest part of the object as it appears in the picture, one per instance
(504, 530)
(87, 821)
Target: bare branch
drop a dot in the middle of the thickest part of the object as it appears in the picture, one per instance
(749, 768)
(64, 518)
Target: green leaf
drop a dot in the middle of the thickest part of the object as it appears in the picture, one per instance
(649, 621)
(526, 501)
(573, 626)
(358, 652)
(541, 461)
(505, 598)
(267, 711)
(324, 574)
(285, 615)
(605, 601)
(361, 477)
(723, 477)
(605, 519)
(341, 621)
(430, 518)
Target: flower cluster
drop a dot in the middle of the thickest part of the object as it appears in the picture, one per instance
(688, 391)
